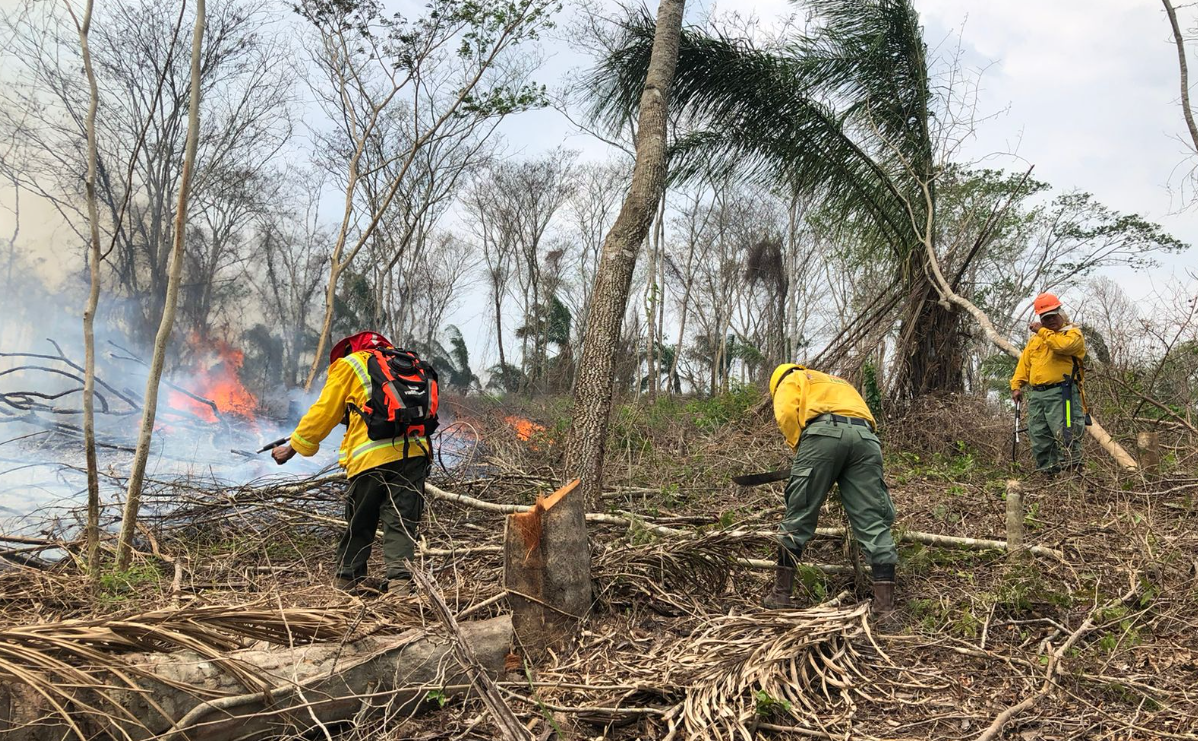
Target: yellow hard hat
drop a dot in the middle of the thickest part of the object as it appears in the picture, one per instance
(776, 377)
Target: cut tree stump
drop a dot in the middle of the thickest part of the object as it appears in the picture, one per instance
(317, 685)
(1015, 549)
(547, 572)
(1149, 444)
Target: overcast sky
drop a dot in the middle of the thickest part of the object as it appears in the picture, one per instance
(1086, 90)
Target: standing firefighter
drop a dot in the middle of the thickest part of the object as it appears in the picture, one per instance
(832, 431)
(387, 399)
(1051, 364)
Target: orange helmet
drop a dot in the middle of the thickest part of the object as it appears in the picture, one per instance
(1045, 303)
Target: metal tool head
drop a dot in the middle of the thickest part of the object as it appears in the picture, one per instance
(757, 479)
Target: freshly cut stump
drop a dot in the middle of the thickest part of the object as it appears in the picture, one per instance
(547, 571)
(316, 684)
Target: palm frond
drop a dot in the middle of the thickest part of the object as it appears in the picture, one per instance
(804, 116)
(801, 664)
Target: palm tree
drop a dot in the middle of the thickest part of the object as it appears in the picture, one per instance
(843, 114)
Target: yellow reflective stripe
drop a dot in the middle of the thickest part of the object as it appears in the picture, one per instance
(419, 443)
(363, 375)
(303, 440)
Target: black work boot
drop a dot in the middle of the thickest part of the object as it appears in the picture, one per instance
(784, 580)
(883, 574)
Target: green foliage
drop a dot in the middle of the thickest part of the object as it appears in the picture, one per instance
(355, 305)
(117, 586)
(996, 371)
(766, 112)
(548, 324)
(453, 362)
(506, 378)
(813, 580)
(927, 613)
(714, 412)
(1024, 589)
(966, 624)
(768, 706)
(952, 468)
(437, 696)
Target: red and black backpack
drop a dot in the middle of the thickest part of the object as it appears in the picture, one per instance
(403, 396)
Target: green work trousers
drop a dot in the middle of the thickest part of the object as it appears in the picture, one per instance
(851, 456)
(394, 493)
(1056, 429)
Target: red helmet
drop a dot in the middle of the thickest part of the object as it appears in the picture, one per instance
(359, 341)
(1045, 303)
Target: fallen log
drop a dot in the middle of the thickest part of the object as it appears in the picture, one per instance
(509, 726)
(184, 697)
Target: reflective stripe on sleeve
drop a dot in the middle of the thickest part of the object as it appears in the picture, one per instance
(363, 375)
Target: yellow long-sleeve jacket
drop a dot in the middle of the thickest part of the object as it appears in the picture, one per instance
(349, 382)
(804, 394)
(1048, 356)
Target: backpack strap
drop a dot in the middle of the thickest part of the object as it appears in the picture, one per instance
(363, 375)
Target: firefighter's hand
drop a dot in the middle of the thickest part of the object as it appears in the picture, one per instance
(1034, 327)
(1017, 396)
(283, 453)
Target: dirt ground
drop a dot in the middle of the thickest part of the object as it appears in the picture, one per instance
(1099, 643)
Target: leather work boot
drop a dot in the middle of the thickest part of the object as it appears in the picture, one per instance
(883, 597)
(347, 584)
(397, 587)
(784, 580)
(883, 575)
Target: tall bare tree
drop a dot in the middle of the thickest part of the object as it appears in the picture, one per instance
(93, 297)
(593, 386)
(145, 433)
(1187, 110)
(140, 136)
(447, 72)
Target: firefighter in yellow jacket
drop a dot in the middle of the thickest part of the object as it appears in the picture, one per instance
(386, 477)
(1049, 375)
(832, 431)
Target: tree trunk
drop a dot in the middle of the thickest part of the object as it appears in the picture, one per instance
(613, 279)
(499, 324)
(1095, 430)
(686, 301)
(1186, 109)
(1149, 446)
(93, 300)
(145, 433)
(547, 572)
(321, 684)
(935, 355)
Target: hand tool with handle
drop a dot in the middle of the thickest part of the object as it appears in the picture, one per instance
(757, 479)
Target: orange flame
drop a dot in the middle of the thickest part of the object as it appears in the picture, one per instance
(216, 379)
(525, 428)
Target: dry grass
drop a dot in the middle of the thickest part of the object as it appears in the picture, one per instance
(678, 641)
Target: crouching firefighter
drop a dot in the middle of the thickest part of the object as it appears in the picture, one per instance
(832, 431)
(387, 398)
(1051, 365)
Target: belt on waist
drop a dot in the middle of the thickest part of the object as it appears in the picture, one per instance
(1047, 386)
(840, 419)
